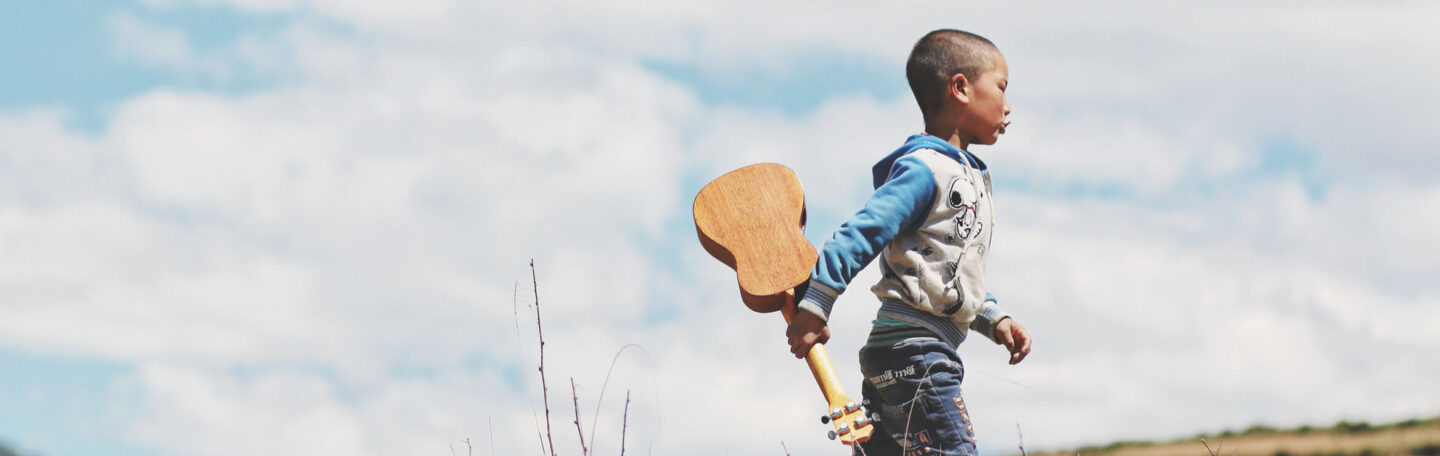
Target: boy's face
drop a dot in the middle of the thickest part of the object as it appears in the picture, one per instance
(986, 113)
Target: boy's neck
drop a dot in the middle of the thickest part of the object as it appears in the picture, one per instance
(950, 134)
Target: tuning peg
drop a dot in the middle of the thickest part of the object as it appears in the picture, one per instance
(875, 417)
(861, 421)
(824, 419)
(865, 403)
(844, 427)
(851, 406)
(832, 435)
(836, 413)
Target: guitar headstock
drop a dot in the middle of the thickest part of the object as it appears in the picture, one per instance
(852, 422)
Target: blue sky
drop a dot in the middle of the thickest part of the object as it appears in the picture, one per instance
(65, 55)
(255, 226)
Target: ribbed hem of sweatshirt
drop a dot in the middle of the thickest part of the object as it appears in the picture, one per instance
(885, 336)
(989, 315)
(947, 330)
(819, 299)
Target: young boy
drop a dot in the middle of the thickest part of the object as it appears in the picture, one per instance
(931, 214)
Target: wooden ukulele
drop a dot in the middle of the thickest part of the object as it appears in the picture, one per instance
(753, 220)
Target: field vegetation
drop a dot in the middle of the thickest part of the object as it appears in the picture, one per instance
(1415, 437)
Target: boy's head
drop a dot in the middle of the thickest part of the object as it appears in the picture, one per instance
(959, 80)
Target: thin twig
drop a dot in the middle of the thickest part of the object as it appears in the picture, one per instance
(596, 419)
(1022, 439)
(782, 446)
(540, 333)
(529, 393)
(492, 435)
(581, 432)
(625, 422)
(1207, 447)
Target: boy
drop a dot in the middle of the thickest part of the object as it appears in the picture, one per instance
(931, 214)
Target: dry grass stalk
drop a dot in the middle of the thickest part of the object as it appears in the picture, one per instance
(576, 397)
(545, 389)
(624, 422)
(1214, 452)
(529, 394)
(469, 450)
(605, 385)
(540, 333)
(1022, 439)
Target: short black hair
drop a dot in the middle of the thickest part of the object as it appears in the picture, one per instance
(939, 56)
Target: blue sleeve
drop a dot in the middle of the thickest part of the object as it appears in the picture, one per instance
(901, 203)
(989, 315)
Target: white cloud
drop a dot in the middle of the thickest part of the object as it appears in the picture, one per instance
(150, 43)
(1231, 335)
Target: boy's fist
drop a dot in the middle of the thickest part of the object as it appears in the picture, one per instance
(1014, 338)
(805, 330)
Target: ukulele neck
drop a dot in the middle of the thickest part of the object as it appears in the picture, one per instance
(819, 361)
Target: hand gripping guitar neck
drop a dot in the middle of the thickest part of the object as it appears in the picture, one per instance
(753, 220)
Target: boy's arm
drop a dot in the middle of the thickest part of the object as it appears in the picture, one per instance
(901, 203)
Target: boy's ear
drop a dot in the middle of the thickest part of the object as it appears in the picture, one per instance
(959, 88)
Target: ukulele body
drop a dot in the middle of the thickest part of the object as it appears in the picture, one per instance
(753, 220)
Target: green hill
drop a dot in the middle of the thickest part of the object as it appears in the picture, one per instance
(1405, 438)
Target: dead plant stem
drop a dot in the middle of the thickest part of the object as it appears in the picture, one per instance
(540, 333)
(1022, 439)
(624, 422)
(576, 397)
(519, 340)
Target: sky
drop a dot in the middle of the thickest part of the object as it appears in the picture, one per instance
(235, 227)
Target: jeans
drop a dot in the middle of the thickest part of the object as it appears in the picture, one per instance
(914, 384)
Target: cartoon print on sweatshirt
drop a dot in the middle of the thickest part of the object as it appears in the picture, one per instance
(963, 195)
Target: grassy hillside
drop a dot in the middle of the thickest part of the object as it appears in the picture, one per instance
(1409, 438)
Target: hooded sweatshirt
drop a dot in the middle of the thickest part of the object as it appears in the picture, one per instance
(931, 221)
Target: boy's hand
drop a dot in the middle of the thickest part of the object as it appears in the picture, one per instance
(1014, 338)
(806, 329)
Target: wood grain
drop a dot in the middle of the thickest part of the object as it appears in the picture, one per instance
(753, 220)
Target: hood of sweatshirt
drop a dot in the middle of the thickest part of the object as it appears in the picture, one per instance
(881, 171)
